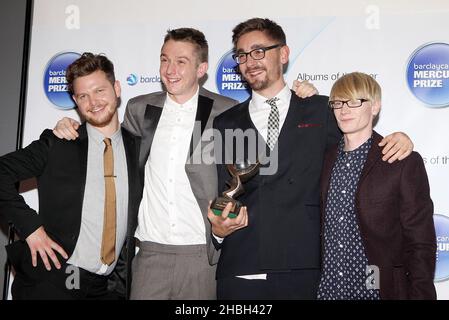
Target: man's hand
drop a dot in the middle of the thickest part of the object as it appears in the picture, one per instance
(397, 146)
(40, 242)
(66, 129)
(304, 89)
(223, 226)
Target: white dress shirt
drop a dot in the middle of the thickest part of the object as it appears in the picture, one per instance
(259, 110)
(169, 212)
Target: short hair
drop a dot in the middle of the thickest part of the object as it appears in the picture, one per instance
(356, 85)
(269, 27)
(87, 64)
(192, 36)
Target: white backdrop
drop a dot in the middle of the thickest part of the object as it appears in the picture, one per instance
(326, 38)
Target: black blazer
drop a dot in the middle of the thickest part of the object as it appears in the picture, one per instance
(60, 168)
(283, 230)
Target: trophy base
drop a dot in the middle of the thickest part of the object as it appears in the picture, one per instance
(217, 206)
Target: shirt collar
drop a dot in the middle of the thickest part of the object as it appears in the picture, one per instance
(96, 136)
(189, 106)
(284, 97)
(364, 146)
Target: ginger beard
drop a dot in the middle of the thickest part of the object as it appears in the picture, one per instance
(96, 98)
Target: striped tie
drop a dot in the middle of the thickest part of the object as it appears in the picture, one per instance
(273, 123)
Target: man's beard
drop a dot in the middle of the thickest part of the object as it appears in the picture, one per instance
(103, 121)
(258, 85)
(264, 83)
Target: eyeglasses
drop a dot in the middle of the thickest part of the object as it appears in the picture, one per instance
(256, 54)
(338, 104)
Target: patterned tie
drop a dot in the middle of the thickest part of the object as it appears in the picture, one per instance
(273, 123)
(109, 224)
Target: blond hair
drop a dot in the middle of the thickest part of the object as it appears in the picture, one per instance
(356, 85)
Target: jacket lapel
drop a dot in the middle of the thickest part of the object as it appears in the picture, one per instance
(152, 116)
(374, 155)
(83, 145)
(135, 184)
(203, 112)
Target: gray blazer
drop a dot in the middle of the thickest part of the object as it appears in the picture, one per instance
(141, 118)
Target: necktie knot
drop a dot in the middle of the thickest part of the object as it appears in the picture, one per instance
(272, 101)
(107, 142)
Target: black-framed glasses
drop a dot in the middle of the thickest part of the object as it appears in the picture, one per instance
(256, 54)
(354, 103)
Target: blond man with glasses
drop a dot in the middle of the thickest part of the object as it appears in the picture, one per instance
(378, 232)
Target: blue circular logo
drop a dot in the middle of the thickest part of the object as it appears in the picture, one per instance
(55, 83)
(442, 233)
(428, 74)
(132, 79)
(229, 80)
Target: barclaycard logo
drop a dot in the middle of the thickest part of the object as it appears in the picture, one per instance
(55, 83)
(132, 79)
(442, 233)
(229, 80)
(428, 74)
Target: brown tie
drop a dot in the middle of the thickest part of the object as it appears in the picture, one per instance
(108, 241)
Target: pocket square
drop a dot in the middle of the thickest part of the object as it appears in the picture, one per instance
(309, 125)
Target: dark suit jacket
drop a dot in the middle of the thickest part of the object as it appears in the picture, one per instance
(142, 118)
(60, 168)
(395, 218)
(283, 231)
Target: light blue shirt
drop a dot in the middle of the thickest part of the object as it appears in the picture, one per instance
(88, 247)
